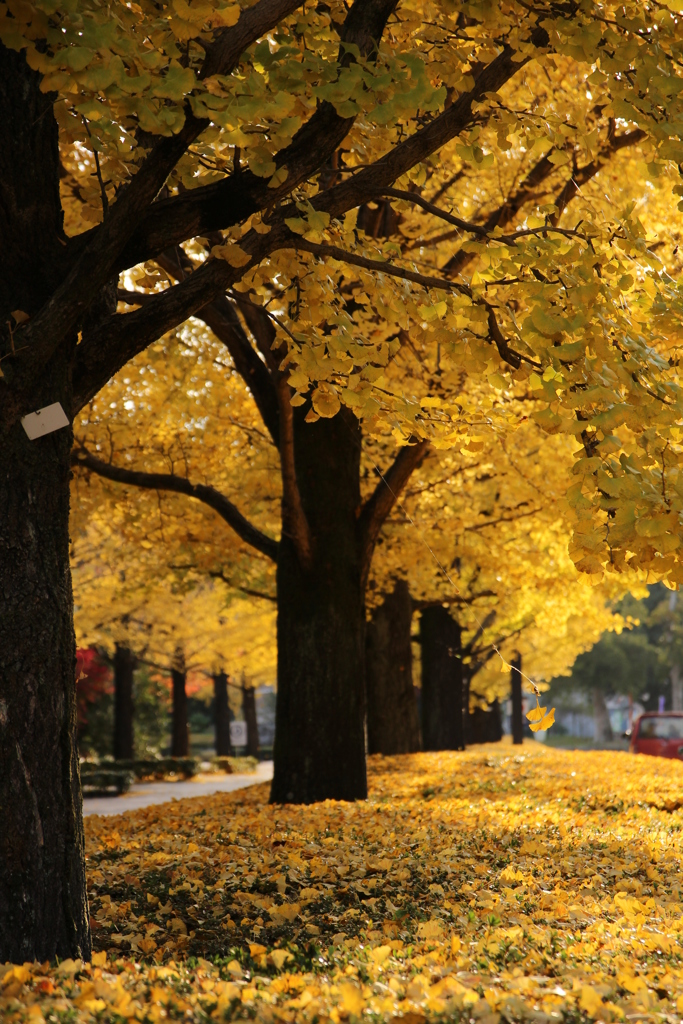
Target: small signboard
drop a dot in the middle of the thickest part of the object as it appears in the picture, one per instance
(238, 734)
(44, 421)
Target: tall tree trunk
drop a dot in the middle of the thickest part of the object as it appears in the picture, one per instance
(124, 666)
(180, 738)
(221, 714)
(249, 711)
(43, 904)
(319, 735)
(603, 726)
(516, 688)
(442, 680)
(485, 724)
(466, 733)
(393, 726)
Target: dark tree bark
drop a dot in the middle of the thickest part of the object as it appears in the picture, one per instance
(442, 680)
(180, 736)
(485, 724)
(221, 714)
(43, 904)
(516, 687)
(249, 711)
(124, 666)
(319, 735)
(466, 724)
(393, 726)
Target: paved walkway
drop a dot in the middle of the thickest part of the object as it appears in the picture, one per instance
(142, 794)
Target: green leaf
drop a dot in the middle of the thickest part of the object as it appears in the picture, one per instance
(548, 323)
(176, 83)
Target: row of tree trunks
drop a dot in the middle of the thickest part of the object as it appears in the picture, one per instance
(124, 664)
(392, 718)
(180, 737)
(392, 712)
(392, 715)
(443, 688)
(393, 725)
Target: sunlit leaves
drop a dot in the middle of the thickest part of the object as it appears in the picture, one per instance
(569, 312)
(540, 718)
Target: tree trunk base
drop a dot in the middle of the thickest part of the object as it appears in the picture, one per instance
(319, 748)
(393, 726)
(442, 681)
(43, 904)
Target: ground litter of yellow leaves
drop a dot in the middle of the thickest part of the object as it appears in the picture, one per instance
(518, 884)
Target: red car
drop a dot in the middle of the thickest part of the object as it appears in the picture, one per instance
(659, 733)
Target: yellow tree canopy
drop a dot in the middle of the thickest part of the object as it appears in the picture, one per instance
(522, 161)
(482, 528)
(180, 410)
(129, 595)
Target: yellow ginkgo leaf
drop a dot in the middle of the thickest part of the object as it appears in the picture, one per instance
(280, 958)
(549, 719)
(351, 997)
(536, 714)
(326, 403)
(232, 254)
(590, 1000)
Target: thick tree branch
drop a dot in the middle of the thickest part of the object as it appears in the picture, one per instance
(221, 317)
(218, 206)
(41, 336)
(380, 503)
(262, 329)
(370, 182)
(481, 628)
(122, 337)
(477, 229)
(218, 574)
(582, 175)
(215, 207)
(245, 530)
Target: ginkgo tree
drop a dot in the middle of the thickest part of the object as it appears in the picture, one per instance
(478, 546)
(247, 138)
(181, 625)
(131, 543)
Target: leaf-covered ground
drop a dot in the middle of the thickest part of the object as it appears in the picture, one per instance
(529, 884)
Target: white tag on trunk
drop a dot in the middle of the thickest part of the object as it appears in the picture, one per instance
(44, 421)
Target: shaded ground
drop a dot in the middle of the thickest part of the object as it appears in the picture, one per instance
(496, 884)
